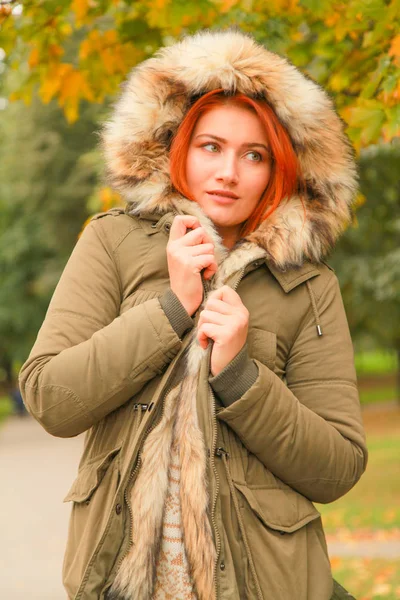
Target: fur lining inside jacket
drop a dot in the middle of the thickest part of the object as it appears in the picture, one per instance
(136, 143)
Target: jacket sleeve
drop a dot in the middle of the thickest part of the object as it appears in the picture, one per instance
(87, 359)
(308, 433)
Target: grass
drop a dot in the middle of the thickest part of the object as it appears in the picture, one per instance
(379, 394)
(375, 501)
(5, 407)
(368, 579)
(371, 509)
(375, 363)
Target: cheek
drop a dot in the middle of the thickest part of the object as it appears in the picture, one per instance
(260, 181)
(195, 169)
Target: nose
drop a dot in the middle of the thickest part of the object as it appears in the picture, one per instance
(228, 169)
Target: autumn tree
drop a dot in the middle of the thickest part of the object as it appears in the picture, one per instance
(48, 169)
(352, 48)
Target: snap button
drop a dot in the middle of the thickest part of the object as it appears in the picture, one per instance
(222, 566)
(153, 225)
(118, 509)
(167, 226)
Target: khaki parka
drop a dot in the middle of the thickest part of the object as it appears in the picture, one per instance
(117, 356)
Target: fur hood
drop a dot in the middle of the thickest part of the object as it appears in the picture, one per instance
(160, 91)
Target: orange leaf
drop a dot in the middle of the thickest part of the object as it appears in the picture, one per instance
(395, 49)
(33, 59)
(55, 51)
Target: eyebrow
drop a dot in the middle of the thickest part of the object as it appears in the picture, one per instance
(222, 140)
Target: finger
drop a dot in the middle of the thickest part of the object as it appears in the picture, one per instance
(209, 316)
(218, 306)
(195, 236)
(228, 295)
(181, 224)
(202, 338)
(201, 249)
(203, 261)
(208, 331)
(210, 270)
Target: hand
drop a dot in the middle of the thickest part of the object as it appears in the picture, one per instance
(189, 251)
(225, 320)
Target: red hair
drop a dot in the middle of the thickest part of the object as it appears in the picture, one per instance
(285, 172)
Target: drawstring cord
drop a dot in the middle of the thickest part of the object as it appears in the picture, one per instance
(314, 307)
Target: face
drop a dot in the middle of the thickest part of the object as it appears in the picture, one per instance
(228, 166)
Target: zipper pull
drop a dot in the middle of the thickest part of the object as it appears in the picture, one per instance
(144, 407)
(221, 452)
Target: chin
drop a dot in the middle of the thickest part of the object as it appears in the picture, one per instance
(220, 217)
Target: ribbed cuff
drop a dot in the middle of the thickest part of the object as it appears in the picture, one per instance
(236, 378)
(176, 312)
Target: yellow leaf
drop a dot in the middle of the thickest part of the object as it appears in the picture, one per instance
(33, 59)
(226, 5)
(66, 29)
(80, 8)
(71, 111)
(360, 200)
(49, 87)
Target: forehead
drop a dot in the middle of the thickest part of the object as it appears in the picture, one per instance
(231, 122)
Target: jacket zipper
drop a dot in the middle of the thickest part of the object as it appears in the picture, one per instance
(221, 452)
(213, 450)
(216, 532)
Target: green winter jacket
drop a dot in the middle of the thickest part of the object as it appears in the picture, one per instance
(117, 357)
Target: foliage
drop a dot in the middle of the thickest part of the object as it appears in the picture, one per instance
(367, 258)
(47, 170)
(352, 48)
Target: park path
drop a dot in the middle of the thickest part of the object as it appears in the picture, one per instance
(36, 471)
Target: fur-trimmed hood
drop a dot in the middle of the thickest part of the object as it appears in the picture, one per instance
(160, 91)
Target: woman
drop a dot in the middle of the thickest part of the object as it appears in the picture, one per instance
(200, 341)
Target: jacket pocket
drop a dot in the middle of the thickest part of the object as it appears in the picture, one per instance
(286, 544)
(262, 346)
(282, 510)
(93, 497)
(90, 477)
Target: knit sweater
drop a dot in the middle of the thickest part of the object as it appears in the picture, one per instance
(173, 580)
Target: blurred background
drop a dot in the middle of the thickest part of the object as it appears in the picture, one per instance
(61, 66)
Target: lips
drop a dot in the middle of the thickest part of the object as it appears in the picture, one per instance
(223, 194)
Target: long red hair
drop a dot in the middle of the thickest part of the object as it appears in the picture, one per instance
(285, 172)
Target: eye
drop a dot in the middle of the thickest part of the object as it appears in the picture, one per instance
(210, 147)
(254, 156)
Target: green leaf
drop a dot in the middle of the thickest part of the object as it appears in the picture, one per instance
(369, 118)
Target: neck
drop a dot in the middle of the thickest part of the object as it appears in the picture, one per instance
(229, 235)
